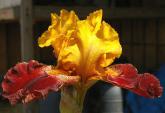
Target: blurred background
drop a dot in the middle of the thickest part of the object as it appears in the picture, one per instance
(140, 24)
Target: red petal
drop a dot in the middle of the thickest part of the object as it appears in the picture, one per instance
(28, 81)
(143, 84)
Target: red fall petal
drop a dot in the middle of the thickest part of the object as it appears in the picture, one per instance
(28, 81)
(146, 84)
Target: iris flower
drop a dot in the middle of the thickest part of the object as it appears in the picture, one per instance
(85, 50)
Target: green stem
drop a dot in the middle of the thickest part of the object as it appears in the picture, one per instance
(72, 99)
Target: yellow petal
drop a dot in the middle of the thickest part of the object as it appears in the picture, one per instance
(94, 19)
(109, 35)
(97, 49)
(59, 31)
(83, 46)
(69, 58)
(54, 18)
(68, 19)
(47, 37)
(44, 41)
(107, 32)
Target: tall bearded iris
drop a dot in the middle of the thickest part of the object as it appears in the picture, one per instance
(85, 50)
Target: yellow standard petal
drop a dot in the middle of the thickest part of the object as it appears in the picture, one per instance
(94, 20)
(69, 58)
(98, 49)
(59, 31)
(109, 35)
(83, 46)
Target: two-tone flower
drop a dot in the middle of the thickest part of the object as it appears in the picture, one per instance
(85, 50)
